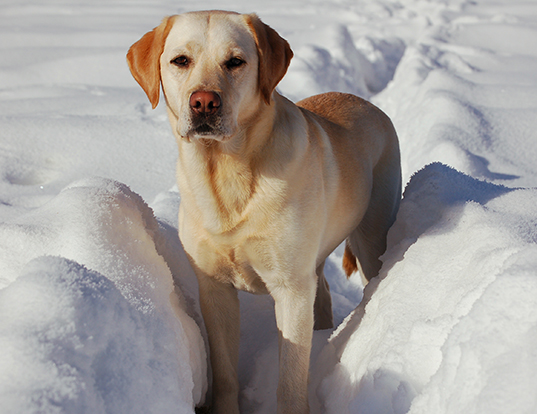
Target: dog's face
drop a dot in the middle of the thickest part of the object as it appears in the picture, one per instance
(216, 69)
(209, 74)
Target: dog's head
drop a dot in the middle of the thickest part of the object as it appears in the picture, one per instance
(216, 69)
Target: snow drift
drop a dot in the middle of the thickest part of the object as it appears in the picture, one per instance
(116, 338)
(459, 266)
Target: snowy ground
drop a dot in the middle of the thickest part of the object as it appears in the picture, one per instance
(87, 320)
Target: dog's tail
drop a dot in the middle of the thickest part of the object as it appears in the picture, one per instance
(350, 262)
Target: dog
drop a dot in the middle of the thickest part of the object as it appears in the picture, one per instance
(268, 188)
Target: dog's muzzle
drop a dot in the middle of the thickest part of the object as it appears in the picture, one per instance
(205, 107)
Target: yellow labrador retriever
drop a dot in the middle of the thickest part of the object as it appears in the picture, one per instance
(268, 188)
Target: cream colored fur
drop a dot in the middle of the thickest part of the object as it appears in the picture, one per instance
(268, 188)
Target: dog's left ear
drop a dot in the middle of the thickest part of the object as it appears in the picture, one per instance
(144, 59)
(274, 55)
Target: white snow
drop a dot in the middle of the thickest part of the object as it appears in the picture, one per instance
(89, 322)
(109, 339)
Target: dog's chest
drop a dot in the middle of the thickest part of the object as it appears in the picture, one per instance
(230, 218)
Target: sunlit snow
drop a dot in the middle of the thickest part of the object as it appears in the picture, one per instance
(90, 320)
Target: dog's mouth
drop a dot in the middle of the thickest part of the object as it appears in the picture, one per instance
(204, 129)
(207, 127)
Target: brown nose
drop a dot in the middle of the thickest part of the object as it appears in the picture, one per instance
(205, 102)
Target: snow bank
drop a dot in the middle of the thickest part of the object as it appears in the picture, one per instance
(451, 318)
(116, 338)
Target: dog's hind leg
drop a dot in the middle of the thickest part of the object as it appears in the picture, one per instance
(323, 302)
(362, 252)
(367, 242)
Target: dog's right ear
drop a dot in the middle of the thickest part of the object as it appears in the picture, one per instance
(144, 59)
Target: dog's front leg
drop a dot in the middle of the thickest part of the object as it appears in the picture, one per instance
(220, 308)
(294, 317)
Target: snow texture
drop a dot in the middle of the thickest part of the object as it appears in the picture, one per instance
(99, 308)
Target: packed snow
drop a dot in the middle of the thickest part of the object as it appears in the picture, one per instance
(91, 320)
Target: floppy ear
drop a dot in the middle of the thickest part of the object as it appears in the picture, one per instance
(274, 55)
(144, 59)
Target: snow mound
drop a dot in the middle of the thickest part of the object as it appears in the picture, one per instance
(109, 339)
(451, 315)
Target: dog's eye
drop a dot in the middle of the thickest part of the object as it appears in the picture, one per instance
(234, 63)
(181, 61)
